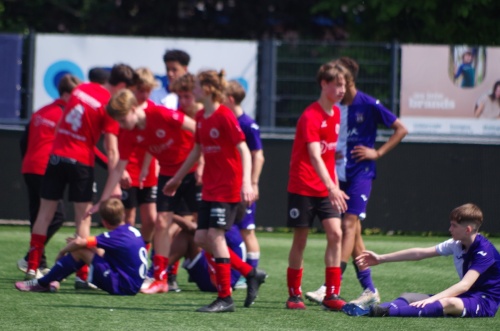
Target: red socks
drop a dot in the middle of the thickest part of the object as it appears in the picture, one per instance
(160, 264)
(223, 276)
(238, 264)
(83, 273)
(332, 280)
(37, 245)
(294, 279)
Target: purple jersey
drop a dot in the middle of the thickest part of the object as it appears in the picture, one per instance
(251, 131)
(483, 257)
(363, 117)
(126, 255)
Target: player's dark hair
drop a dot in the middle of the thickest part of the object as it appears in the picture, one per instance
(112, 211)
(185, 83)
(351, 65)
(492, 95)
(123, 73)
(176, 55)
(236, 91)
(98, 75)
(67, 84)
(468, 214)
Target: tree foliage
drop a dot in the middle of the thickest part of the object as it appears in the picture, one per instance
(417, 21)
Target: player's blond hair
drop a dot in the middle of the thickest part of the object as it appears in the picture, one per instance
(121, 103)
(146, 78)
(236, 91)
(468, 214)
(213, 83)
(112, 211)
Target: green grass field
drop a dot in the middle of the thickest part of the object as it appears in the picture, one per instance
(71, 310)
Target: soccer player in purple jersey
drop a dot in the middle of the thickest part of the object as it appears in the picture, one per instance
(476, 260)
(117, 259)
(202, 271)
(356, 155)
(235, 93)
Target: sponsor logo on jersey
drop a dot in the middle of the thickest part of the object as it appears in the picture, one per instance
(326, 146)
(360, 117)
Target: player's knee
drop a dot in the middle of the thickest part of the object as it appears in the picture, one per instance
(334, 235)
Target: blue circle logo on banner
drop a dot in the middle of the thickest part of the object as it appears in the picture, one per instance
(54, 73)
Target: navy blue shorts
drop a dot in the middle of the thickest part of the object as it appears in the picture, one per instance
(359, 193)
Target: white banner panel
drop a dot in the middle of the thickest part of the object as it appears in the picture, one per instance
(450, 90)
(60, 54)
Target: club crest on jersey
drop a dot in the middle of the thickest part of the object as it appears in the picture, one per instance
(294, 213)
(214, 133)
(160, 133)
(360, 117)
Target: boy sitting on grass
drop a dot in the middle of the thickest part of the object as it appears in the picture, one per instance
(477, 261)
(118, 258)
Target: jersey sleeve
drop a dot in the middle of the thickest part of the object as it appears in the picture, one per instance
(252, 136)
(236, 135)
(311, 128)
(384, 115)
(445, 248)
(110, 125)
(482, 260)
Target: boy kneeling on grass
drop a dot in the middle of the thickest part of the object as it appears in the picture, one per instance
(117, 259)
(476, 260)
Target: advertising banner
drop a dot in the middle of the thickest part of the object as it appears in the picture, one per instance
(10, 75)
(57, 55)
(451, 90)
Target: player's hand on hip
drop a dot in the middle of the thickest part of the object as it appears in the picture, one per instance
(363, 153)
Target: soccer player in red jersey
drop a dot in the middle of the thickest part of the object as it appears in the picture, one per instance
(139, 181)
(313, 187)
(166, 135)
(72, 159)
(36, 145)
(226, 181)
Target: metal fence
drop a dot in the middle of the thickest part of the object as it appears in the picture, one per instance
(287, 76)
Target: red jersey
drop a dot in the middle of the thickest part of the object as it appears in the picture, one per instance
(83, 122)
(218, 136)
(134, 166)
(162, 137)
(314, 125)
(41, 134)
